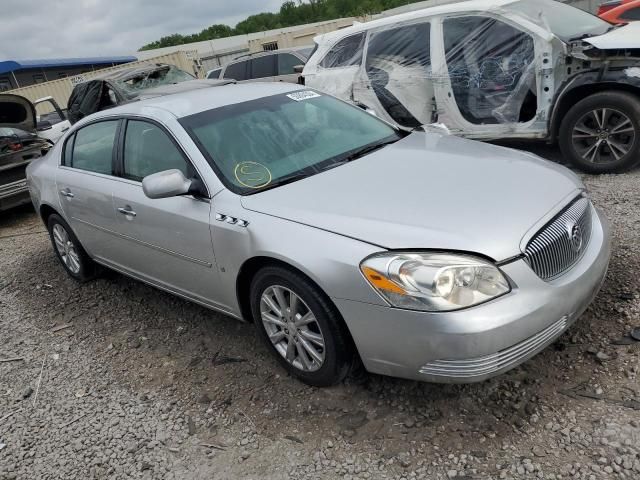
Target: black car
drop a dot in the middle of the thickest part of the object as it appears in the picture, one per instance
(120, 86)
(19, 145)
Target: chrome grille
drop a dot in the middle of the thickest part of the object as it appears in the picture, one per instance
(561, 243)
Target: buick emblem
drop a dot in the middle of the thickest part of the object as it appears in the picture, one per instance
(575, 236)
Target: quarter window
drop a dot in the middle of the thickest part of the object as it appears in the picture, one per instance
(93, 147)
(286, 62)
(237, 71)
(148, 150)
(346, 52)
(263, 66)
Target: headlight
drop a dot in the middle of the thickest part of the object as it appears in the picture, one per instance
(434, 282)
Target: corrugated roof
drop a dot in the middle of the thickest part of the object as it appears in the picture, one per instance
(12, 65)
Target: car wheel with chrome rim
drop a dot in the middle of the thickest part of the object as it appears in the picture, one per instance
(69, 251)
(601, 134)
(301, 326)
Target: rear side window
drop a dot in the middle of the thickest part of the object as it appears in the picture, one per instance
(214, 73)
(264, 66)
(631, 14)
(286, 62)
(93, 147)
(346, 52)
(237, 71)
(148, 149)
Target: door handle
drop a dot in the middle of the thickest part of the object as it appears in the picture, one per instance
(127, 211)
(66, 193)
(65, 129)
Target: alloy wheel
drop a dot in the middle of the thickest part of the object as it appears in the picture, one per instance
(603, 135)
(292, 328)
(66, 249)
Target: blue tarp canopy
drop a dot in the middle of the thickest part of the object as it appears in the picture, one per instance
(13, 65)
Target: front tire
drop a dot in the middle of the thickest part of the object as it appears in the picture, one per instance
(601, 133)
(300, 325)
(69, 251)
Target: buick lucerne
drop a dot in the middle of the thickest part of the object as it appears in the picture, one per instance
(344, 239)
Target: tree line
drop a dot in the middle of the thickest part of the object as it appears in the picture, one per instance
(291, 13)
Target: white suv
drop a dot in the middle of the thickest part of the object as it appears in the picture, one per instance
(491, 69)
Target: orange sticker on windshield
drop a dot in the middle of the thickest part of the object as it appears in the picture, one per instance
(252, 174)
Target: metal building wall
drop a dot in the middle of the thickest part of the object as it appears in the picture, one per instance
(61, 89)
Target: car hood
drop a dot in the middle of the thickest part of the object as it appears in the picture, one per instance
(626, 37)
(428, 190)
(17, 112)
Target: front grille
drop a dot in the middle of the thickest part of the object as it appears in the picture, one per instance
(560, 244)
(470, 368)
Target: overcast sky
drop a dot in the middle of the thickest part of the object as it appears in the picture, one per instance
(76, 28)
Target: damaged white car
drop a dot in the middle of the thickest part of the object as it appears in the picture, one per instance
(491, 69)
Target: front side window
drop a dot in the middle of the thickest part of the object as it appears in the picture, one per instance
(287, 62)
(266, 142)
(148, 150)
(263, 66)
(346, 52)
(93, 147)
(237, 71)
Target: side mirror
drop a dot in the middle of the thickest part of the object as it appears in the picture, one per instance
(170, 183)
(43, 125)
(298, 69)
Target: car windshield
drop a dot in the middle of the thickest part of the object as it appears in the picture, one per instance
(265, 143)
(564, 21)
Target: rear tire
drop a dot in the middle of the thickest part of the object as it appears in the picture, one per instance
(69, 251)
(601, 133)
(301, 327)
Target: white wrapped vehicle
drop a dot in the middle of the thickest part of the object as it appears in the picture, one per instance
(490, 69)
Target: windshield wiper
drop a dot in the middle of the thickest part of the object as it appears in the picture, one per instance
(361, 152)
(281, 182)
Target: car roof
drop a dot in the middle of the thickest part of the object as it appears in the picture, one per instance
(250, 55)
(470, 5)
(184, 103)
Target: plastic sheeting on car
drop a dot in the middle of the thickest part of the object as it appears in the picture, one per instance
(488, 70)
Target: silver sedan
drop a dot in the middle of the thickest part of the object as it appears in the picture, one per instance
(344, 239)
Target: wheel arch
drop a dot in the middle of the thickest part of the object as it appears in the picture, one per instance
(250, 268)
(569, 97)
(46, 211)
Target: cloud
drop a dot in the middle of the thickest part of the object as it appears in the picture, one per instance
(77, 28)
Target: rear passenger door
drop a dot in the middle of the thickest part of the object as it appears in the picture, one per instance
(84, 183)
(338, 69)
(396, 80)
(166, 242)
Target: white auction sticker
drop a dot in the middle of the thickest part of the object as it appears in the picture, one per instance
(305, 95)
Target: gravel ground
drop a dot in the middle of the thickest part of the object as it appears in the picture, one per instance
(119, 380)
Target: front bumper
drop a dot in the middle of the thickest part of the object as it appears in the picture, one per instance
(475, 344)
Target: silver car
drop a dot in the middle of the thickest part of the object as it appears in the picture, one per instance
(344, 239)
